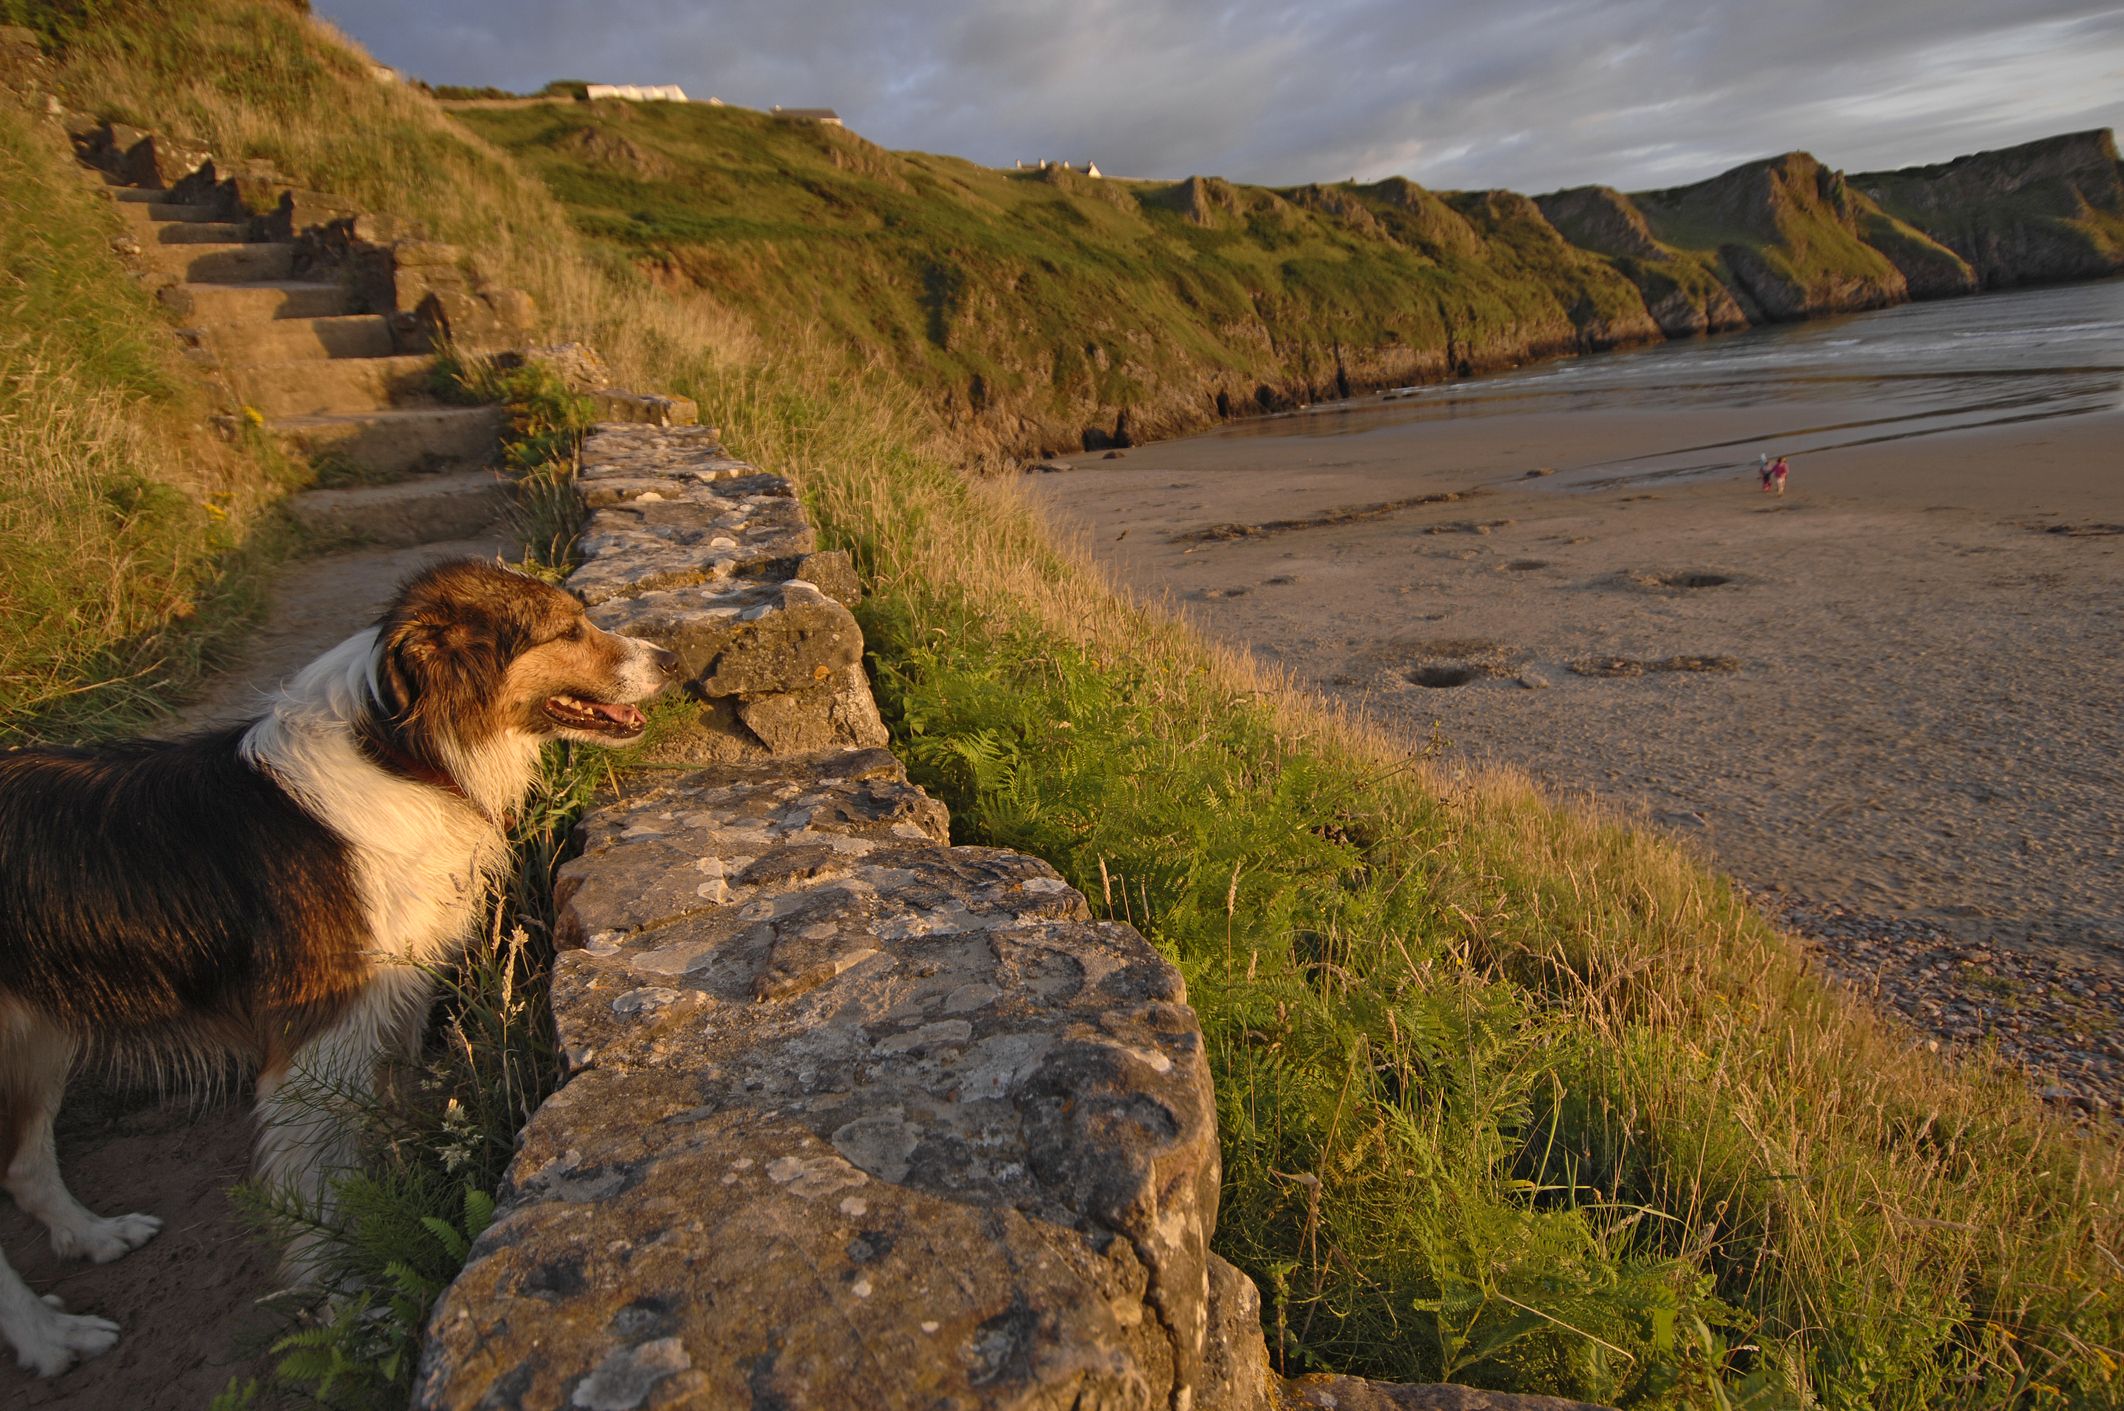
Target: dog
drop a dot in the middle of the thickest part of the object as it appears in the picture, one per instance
(277, 895)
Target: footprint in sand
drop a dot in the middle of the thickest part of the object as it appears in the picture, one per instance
(1676, 581)
(1633, 666)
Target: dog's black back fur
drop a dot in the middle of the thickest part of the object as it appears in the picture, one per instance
(155, 893)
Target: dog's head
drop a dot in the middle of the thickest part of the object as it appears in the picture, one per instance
(472, 653)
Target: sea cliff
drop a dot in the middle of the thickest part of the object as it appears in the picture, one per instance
(1034, 311)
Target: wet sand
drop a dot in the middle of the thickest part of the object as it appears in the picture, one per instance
(1887, 702)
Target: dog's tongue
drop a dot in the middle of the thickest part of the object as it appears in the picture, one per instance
(625, 716)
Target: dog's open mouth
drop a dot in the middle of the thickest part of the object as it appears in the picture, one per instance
(598, 717)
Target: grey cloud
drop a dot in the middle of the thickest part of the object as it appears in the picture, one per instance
(1454, 93)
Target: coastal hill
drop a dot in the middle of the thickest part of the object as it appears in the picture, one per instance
(1044, 310)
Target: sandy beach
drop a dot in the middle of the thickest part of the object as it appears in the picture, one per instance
(1886, 702)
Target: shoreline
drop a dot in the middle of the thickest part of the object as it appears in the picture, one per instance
(1297, 398)
(1882, 702)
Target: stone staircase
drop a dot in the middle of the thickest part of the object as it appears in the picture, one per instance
(405, 477)
(327, 379)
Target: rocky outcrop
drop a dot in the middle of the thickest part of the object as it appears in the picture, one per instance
(2040, 212)
(1681, 292)
(1422, 218)
(1603, 220)
(853, 1117)
(1930, 270)
(1595, 305)
(1789, 238)
(1199, 200)
(1338, 203)
(1785, 235)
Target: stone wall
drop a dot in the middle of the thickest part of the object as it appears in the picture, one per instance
(853, 1117)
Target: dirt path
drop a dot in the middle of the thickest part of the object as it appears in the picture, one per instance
(187, 1300)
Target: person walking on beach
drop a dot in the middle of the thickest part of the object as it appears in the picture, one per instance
(1762, 470)
(1777, 474)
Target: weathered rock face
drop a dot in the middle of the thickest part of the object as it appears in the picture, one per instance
(2042, 211)
(1601, 219)
(1681, 292)
(854, 1118)
(1930, 270)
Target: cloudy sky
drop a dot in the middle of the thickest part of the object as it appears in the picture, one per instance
(1529, 94)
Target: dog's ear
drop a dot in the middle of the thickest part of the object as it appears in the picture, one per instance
(431, 665)
(399, 670)
(440, 665)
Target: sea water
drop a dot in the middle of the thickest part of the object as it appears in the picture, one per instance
(1892, 374)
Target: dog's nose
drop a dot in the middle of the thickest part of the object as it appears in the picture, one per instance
(666, 662)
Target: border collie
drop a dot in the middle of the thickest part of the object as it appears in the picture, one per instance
(277, 895)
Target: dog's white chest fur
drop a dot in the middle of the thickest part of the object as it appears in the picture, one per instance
(423, 856)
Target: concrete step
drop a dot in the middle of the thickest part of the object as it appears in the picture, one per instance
(401, 441)
(179, 232)
(149, 212)
(287, 340)
(224, 264)
(211, 306)
(452, 505)
(318, 386)
(134, 193)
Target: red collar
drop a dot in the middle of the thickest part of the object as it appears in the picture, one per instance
(388, 755)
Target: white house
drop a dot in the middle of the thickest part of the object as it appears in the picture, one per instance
(1090, 169)
(636, 92)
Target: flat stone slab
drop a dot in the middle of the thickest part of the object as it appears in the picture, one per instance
(707, 486)
(642, 546)
(743, 637)
(619, 449)
(855, 1120)
(686, 846)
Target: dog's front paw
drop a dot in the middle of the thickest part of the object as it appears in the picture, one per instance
(57, 1340)
(101, 1241)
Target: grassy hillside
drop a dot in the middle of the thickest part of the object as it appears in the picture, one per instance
(1783, 233)
(122, 518)
(1509, 1095)
(1036, 308)
(1682, 289)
